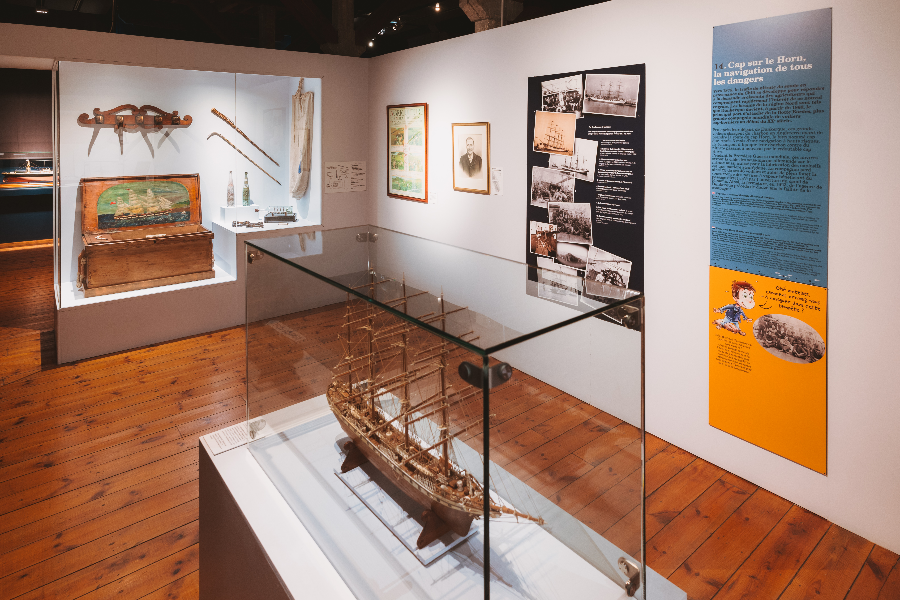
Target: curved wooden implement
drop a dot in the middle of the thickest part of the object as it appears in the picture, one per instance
(236, 128)
(225, 139)
(138, 119)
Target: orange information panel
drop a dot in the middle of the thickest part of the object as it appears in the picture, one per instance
(767, 364)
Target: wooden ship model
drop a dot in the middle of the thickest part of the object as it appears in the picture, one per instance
(392, 396)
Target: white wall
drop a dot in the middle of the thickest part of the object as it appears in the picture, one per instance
(483, 78)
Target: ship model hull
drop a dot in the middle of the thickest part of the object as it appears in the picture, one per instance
(457, 518)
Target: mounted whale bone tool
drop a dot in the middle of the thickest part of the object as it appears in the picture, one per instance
(242, 154)
(236, 128)
(138, 119)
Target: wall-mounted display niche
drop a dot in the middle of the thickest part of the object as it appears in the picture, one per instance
(367, 356)
(142, 130)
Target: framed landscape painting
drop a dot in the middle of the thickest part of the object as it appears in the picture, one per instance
(408, 151)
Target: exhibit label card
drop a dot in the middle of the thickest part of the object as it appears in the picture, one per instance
(771, 97)
(771, 107)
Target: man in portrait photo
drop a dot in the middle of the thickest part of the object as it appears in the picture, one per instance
(470, 163)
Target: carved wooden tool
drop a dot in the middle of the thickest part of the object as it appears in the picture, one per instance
(242, 154)
(138, 119)
(236, 128)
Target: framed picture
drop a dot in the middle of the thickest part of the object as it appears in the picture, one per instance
(472, 157)
(407, 147)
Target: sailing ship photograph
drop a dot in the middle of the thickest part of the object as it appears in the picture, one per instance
(554, 133)
(562, 95)
(397, 395)
(142, 203)
(582, 164)
(611, 94)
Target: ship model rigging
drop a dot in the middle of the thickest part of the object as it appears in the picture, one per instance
(392, 395)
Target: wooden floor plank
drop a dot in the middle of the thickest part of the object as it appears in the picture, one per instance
(775, 562)
(143, 581)
(873, 574)
(117, 566)
(705, 571)
(891, 588)
(184, 588)
(65, 564)
(72, 538)
(694, 525)
(830, 570)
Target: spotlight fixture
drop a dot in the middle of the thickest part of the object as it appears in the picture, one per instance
(39, 7)
(437, 7)
(371, 43)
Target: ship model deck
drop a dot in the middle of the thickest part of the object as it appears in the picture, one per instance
(392, 396)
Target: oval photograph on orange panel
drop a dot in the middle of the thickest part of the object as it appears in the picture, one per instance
(789, 338)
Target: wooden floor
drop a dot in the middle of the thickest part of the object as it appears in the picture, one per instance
(98, 467)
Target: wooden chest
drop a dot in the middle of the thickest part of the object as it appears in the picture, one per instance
(142, 232)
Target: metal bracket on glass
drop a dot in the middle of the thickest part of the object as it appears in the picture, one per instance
(632, 571)
(626, 315)
(499, 373)
(367, 237)
(254, 255)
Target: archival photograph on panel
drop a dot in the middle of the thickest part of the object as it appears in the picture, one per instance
(471, 157)
(562, 95)
(572, 220)
(583, 164)
(572, 255)
(551, 185)
(611, 94)
(789, 338)
(604, 267)
(543, 241)
(557, 283)
(554, 133)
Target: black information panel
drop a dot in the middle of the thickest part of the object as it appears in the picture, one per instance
(585, 225)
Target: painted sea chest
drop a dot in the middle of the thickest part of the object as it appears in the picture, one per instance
(142, 232)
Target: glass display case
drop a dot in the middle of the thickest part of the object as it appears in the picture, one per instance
(442, 429)
(144, 129)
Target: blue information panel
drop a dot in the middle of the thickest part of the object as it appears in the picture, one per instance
(771, 107)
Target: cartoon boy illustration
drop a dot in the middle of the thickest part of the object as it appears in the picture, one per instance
(742, 292)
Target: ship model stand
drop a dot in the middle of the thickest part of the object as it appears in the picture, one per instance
(371, 397)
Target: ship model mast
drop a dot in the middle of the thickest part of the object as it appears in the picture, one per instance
(402, 445)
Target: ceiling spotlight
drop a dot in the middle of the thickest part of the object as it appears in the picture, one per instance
(371, 43)
(437, 7)
(39, 7)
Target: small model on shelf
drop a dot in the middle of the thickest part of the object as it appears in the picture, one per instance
(280, 214)
(247, 224)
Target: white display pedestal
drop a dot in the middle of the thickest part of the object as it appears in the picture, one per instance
(252, 544)
(255, 546)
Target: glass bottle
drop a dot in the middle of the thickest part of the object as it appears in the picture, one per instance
(246, 190)
(230, 195)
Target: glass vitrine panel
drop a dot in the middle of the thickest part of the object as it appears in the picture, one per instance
(448, 424)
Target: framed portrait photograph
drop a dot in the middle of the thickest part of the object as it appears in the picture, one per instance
(472, 157)
(407, 148)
